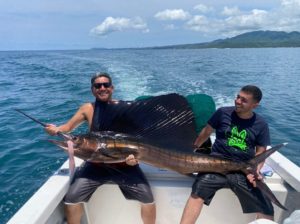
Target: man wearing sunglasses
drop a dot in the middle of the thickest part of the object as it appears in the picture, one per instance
(90, 176)
(241, 134)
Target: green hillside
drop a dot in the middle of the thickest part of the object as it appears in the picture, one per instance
(255, 39)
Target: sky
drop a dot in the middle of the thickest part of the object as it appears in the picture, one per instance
(77, 24)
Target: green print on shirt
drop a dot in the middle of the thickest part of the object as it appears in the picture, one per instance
(237, 139)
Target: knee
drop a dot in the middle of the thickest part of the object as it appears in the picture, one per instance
(195, 201)
(150, 207)
(71, 197)
(73, 213)
(145, 195)
(148, 213)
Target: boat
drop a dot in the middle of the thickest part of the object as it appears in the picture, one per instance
(170, 189)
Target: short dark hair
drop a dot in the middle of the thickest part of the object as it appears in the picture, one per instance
(99, 75)
(254, 91)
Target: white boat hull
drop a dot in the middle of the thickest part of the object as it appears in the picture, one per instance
(171, 191)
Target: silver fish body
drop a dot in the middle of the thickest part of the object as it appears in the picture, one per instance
(112, 147)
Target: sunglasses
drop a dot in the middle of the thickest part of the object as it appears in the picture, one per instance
(104, 84)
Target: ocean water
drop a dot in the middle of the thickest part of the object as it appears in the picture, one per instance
(51, 85)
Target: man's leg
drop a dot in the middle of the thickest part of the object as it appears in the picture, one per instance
(264, 216)
(148, 213)
(86, 180)
(203, 191)
(251, 198)
(134, 186)
(192, 210)
(73, 213)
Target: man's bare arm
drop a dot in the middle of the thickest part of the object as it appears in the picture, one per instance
(203, 136)
(79, 117)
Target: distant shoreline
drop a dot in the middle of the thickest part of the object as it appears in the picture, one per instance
(255, 39)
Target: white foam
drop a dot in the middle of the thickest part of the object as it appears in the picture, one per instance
(223, 101)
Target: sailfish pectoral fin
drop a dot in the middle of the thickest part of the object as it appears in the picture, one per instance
(267, 191)
(108, 153)
(112, 158)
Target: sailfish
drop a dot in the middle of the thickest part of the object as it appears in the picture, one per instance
(159, 131)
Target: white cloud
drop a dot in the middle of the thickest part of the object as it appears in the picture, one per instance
(198, 23)
(290, 3)
(233, 21)
(287, 18)
(172, 14)
(290, 8)
(255, 20)
(111, 24)
(229, 26)
(227, 11)
(203, 8)
(203, 24)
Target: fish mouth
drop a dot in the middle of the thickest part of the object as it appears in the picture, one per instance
(67, 137)
(61, 144)
(64, 144)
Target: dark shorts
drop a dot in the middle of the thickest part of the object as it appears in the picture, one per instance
(89, 177)
(251, 198)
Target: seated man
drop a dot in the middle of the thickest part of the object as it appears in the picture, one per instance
(90, 176)
(240, 135)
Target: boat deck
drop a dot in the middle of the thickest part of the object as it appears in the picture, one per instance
(171, 191)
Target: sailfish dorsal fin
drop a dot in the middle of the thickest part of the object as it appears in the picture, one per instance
(164, 121)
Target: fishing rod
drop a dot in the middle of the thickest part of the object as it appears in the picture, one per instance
(66, 136)
(35, 120)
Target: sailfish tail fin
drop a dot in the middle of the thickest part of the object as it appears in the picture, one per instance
(252, 167)
(261, 157)
(267, 192)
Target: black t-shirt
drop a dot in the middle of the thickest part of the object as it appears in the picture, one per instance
(109, 116)
(236, 138)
